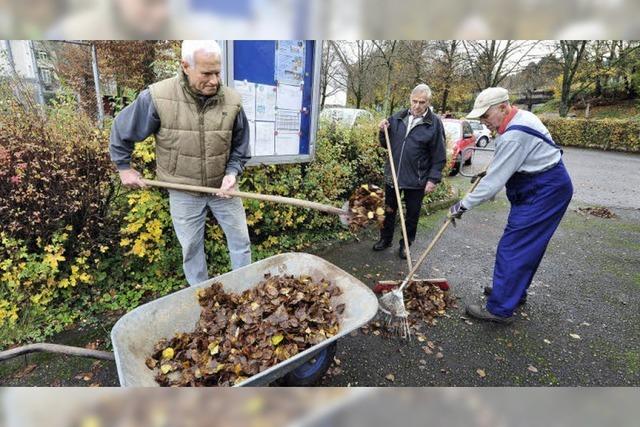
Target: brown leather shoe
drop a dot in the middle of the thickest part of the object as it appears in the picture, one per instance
(481, 313)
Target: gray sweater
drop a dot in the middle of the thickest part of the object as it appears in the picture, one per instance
(516, 151)
(140, 119)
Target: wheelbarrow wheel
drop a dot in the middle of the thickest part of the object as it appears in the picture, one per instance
(312, 370)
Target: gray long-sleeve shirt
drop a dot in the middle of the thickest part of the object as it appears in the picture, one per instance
(515, 152)
(140, 119)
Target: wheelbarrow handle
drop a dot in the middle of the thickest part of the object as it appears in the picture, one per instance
(245, 195)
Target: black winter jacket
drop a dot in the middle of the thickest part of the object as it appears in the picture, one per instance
(421, 156)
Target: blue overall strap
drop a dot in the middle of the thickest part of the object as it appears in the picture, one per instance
(533, 132)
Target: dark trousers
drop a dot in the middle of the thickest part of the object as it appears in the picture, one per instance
(413, 201)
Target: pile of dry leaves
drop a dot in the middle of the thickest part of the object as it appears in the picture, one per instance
(238, 336)
(425, 301)
(600, 212)
(366, 205)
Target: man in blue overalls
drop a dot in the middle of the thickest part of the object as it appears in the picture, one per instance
(529, 164)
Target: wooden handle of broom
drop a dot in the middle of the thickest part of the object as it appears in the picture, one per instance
(432, 244)
(399, 202)
(255, 196)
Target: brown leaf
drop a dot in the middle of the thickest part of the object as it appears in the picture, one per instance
(25, 371)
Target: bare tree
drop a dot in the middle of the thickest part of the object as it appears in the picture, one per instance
(447, 68)
(572, 54)
(535, 80)
(355, 67)
(491, 61)
(328, 86)
(387, 52)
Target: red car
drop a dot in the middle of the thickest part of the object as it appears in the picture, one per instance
(459, 136)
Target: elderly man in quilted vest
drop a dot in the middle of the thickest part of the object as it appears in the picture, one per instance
(202, 138)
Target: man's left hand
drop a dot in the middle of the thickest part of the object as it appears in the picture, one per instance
(430, 187)
(228, 183)
(456, 211)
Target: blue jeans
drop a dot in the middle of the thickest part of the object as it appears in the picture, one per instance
(189, 214)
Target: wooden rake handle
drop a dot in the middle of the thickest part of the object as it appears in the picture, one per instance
(399, 202)
(432, 244)
(244, 195)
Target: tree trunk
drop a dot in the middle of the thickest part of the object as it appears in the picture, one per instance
(564, 108)
(445, 96)
(387, 94)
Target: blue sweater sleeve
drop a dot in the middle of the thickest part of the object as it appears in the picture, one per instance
(135, 123)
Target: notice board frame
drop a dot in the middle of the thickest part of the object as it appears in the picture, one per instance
(252, 60)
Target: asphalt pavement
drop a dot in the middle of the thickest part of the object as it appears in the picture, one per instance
(580, 326)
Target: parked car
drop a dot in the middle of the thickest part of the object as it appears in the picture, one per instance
(349, 117)
(459, 136)
(481, 132)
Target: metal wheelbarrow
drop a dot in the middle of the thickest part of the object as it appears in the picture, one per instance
(135, 334)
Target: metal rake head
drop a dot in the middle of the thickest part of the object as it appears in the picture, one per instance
(392, 305)
(346, 218)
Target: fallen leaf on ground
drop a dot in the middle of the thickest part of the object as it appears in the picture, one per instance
(439, 355)
(532, 369)
(391, 377)
(546, 341)
(575, 336)
(25, 371)
(85, 376)
(481, 373)
(92, 345)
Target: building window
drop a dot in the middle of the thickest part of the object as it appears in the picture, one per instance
(46, 76)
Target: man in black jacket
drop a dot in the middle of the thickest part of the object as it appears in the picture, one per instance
(418, 148)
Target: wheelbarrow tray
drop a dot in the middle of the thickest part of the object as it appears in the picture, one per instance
(136, 333)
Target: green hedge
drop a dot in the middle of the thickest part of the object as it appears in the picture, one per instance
(604, 134)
